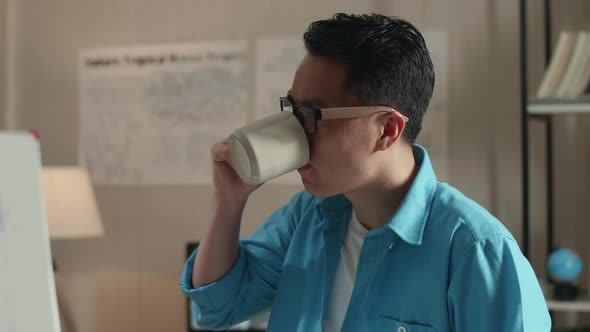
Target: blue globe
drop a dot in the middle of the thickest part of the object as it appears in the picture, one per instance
(564, 265)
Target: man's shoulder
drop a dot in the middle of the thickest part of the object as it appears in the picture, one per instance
(465, 222)
(451, 206)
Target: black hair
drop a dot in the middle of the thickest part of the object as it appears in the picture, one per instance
(387, 60)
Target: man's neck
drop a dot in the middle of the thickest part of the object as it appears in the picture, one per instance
(376, 203)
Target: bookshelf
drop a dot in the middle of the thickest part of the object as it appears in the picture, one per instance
(581, 304)
(545, 110)
(559, 106)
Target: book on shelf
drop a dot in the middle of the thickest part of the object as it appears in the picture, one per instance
(568, 73)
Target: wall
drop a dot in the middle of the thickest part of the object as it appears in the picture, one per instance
(128, 280)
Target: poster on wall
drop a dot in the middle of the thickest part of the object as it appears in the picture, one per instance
(150, 114)
(435, 126)
(277, 60)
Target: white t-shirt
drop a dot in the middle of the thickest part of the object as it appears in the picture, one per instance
(345, 274)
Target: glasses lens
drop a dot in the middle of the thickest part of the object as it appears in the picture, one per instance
(307, 119)
(286, 105)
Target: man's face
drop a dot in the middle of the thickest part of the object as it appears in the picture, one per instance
(341, 149)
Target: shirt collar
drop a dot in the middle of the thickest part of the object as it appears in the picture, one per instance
(409, 220)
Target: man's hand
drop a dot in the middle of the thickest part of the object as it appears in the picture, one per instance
(219, 246)
(226, 182)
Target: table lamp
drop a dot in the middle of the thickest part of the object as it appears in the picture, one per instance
(70, 204)
(71, 211)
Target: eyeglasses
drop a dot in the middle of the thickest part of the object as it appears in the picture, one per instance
(309, 116)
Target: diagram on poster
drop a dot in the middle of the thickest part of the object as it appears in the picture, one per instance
(150, 114)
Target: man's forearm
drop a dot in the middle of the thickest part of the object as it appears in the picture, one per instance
(219, 247)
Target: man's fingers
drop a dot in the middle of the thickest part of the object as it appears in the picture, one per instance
(220, 151)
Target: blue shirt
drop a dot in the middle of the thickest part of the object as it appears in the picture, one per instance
(442, 263)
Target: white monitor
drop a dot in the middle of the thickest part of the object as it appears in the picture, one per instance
(27, 289)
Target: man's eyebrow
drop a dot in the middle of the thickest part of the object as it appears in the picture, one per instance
(313, 101)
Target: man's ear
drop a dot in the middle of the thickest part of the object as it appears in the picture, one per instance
(392, 126)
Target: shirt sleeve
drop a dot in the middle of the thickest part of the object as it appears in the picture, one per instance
(249, 287)
(494, 288)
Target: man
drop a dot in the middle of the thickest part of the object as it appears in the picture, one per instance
(374, 243)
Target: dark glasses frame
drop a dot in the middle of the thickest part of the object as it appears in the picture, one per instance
(309, 116)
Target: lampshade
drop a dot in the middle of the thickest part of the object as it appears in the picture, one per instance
(70, 203)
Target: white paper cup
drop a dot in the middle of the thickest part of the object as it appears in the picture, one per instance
(268, 148)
